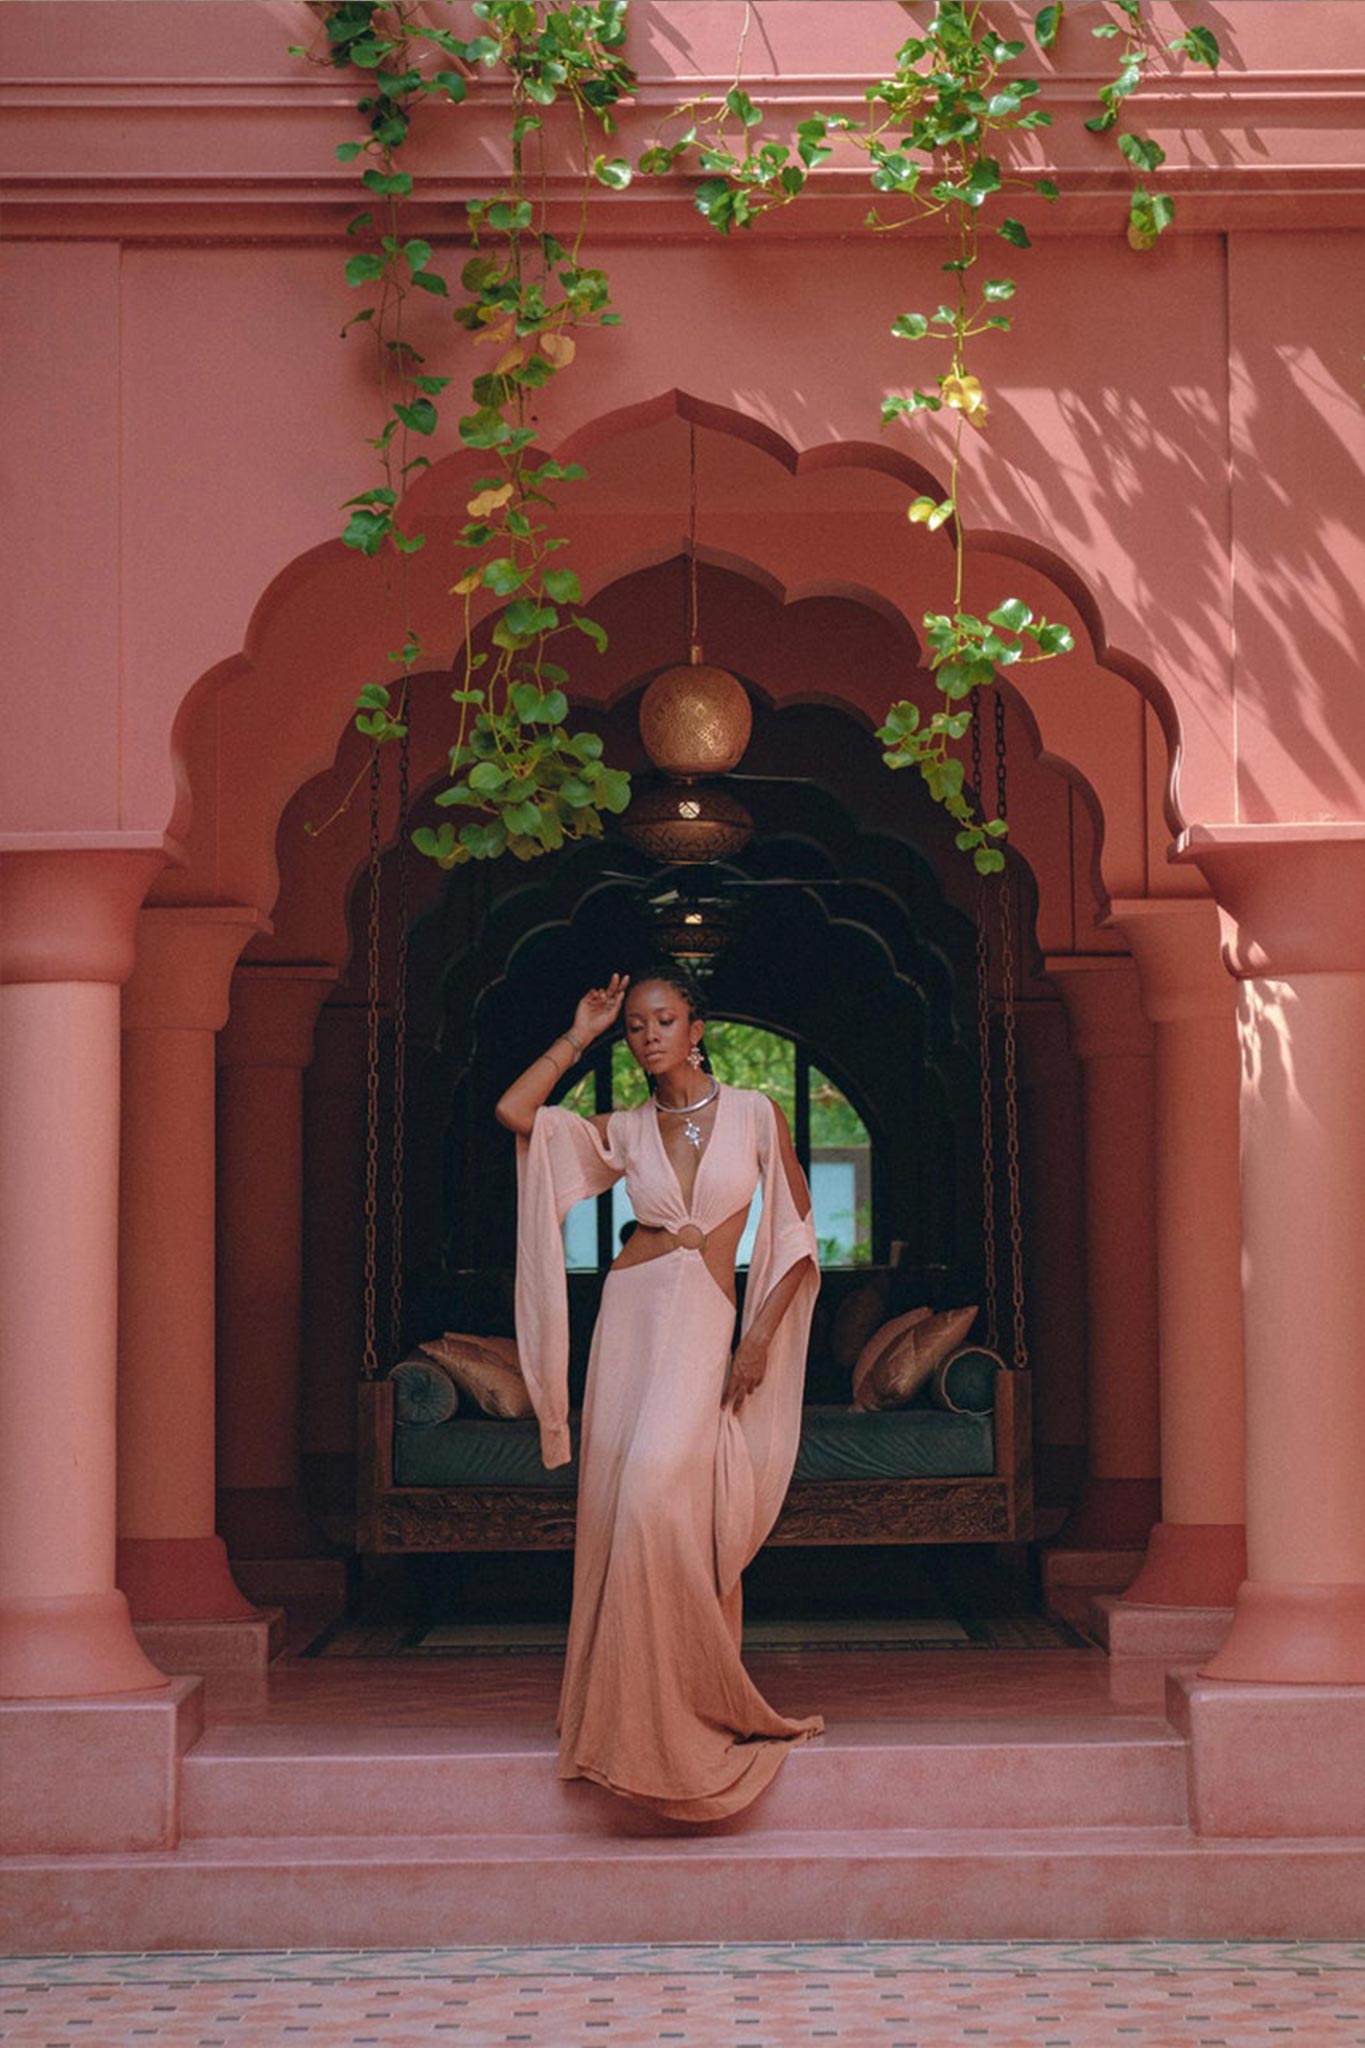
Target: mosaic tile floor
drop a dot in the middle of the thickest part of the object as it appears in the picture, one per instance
(863, 1995)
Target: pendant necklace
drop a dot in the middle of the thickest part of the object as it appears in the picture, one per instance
(691, 1128)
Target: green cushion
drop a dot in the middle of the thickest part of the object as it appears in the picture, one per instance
(894, 1443)
(903, 1443)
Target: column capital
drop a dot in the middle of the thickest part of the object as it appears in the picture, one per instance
(185, 957)
(1294, 894)
(1177, 944)
(70, 912)
(273, 1015)
(1102, 1000)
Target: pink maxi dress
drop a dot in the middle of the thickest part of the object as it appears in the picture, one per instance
(675, 1493)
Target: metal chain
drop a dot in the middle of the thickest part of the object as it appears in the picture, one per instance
(983, 1023)
(371, 1354)
(400, 1045)
(1011, 1062)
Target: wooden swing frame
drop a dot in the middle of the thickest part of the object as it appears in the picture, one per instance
(990, 1508)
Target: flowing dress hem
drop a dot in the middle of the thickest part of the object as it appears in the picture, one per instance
(765, 1759)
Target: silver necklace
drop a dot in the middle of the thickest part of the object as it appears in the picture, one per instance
(691, 1129)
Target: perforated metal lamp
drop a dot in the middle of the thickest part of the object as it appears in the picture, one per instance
(687, 821)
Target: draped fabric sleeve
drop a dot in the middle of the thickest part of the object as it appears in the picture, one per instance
(564, 1160)
(757, 1448)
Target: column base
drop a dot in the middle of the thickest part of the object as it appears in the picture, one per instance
(1073, 1578)
(207, 1648)
(179, 1578)
(80, 1645)
(1112, 1514)
(1192, 1564)
(1290, 1634)
(1125, 1627)
(100, 1775)
(1272, 1759)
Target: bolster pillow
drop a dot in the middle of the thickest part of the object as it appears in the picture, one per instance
(423, 1391)
(965, 1381)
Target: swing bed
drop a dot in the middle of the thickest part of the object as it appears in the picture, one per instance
(912, 1476)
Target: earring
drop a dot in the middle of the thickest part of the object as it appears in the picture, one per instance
(694, 1057)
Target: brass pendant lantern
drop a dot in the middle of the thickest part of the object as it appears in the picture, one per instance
(695, 722)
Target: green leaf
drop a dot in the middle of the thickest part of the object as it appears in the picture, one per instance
(989, 860)
(563, 586)
(421, 416)
(594, 632)
(613, 790)
(1106, 31)
(1053, 639)
(451, 83)
(389, 185)
(1046, 189)
(1200, 45)
(364, 269)
(347, 152)
(575, 792)
(431, 281)
(1047, 22)
(1012, 616)
(418, 254)
(487, 778)
(996, 288)
(910, 327)
(366, 531)
(985, 179)
(554, 707)
(741, 105)
(1100, 124)
(1015, 233)
(503, 576)
(484, 429)
(614, 173)
(510, 218)
(1141, 152)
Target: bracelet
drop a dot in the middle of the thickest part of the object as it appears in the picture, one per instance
(576, 1043)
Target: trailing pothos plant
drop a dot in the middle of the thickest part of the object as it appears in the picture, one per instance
(1149, 213)
(931, 138)
(519, 781)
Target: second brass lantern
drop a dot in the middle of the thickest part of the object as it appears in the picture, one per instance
(695, 722)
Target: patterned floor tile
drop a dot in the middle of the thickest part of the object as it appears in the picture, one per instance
(768, 1995)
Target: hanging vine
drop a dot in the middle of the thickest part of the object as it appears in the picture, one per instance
(932, 139)
(1149, 213)
(522, 783)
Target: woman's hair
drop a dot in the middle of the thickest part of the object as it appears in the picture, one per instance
(662, 967)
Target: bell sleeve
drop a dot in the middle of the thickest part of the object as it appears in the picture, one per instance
(564, 1160)
(757, 1448)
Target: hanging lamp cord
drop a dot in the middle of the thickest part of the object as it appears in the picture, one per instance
(693, 610)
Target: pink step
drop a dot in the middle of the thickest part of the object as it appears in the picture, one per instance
(247, 1781)
(883, 1883)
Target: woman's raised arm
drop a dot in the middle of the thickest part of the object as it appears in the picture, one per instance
(597, 1011)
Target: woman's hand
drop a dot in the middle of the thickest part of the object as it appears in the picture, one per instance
(747, 1370)
(599, 1009)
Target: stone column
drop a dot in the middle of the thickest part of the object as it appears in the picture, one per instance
(1295, 937)
(1196, 1557)
(1113, 1041)
(262, 1052)
(171, 1563)
(66, 945)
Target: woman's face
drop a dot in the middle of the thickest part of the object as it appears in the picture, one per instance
(660, 1029)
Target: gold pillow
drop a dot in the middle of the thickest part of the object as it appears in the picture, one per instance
(908, 1361)
(482, 1369)
(880, 1338)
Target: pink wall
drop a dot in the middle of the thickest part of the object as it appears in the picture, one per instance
(1158, 420)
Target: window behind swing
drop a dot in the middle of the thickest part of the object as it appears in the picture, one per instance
(832, 1142)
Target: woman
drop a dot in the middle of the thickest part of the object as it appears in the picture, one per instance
(686, 1451)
